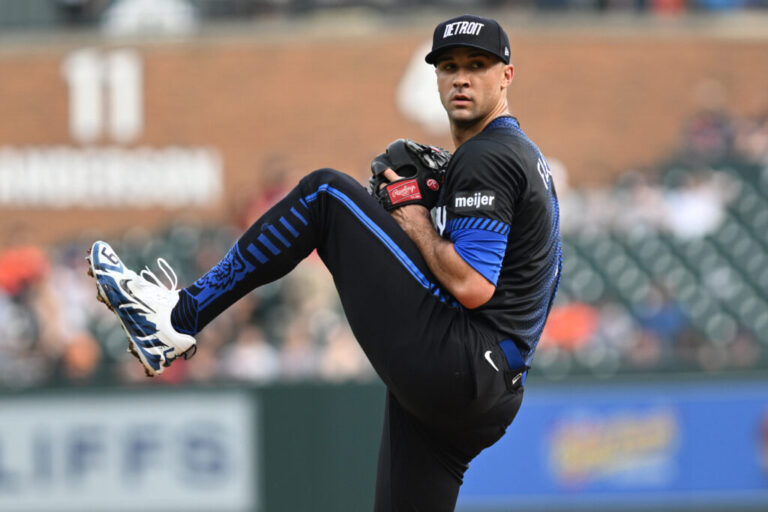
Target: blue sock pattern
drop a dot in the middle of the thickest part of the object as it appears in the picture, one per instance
(255, 248)
(260, 256)
(223, 277)
(287, 225)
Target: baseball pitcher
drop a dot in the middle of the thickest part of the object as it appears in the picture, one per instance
(446, 266)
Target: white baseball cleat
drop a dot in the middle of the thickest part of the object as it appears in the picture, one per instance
(142, 306)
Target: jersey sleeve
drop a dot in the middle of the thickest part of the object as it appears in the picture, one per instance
(482, 188)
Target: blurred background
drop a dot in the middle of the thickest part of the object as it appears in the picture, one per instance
(167, 126)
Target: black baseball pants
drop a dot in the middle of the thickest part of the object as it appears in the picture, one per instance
(445, 401)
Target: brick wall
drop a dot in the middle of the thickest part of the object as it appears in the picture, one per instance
(600, 104)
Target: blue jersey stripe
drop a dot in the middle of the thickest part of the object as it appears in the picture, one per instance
(483, 223)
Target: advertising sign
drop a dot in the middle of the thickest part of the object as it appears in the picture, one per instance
(595, 447)
(142, 452)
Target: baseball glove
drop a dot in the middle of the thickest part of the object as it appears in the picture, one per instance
(421, 167)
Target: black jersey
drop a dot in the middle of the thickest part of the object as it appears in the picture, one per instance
(499, 208)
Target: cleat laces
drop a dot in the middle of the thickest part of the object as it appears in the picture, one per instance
(159, 289)
(170, 274)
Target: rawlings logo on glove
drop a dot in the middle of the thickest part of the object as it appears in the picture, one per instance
(421, 167)
(401, 191)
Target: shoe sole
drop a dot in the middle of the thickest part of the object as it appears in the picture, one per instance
(102, 297)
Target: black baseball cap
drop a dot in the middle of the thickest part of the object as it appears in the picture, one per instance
(473, 31)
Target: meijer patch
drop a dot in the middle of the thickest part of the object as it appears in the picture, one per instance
(484, 200)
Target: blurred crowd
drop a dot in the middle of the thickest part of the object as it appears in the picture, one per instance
(664, 270)
(52, 329)
(119, 17)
